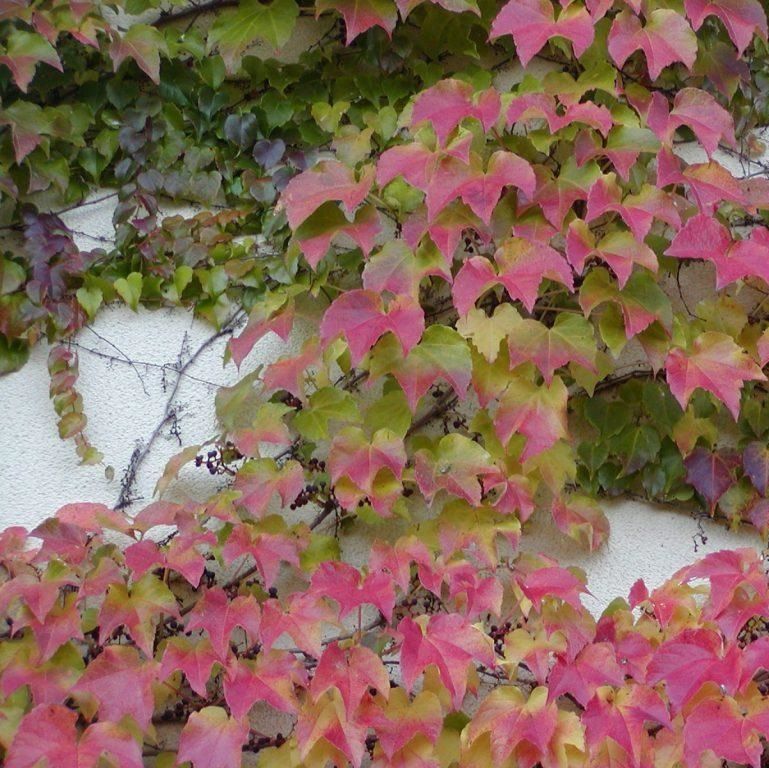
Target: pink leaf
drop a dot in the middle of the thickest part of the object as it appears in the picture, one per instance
(664, 39)
(271, 679)
(212, 739)
(449, 642)
(595, 665)
(46, 736)
(742, 18)
(110, 740)
(716, 364)
(637, 211)
(360, 317)
(361, 15)
(121, 682)
(505, 169)
(449, 102)
(354, 456)
(689, 660)
(195, 659)
(328, 180)
(260, 322)
(696, 109)
(532, 23)
(349, 588)
(352, 672)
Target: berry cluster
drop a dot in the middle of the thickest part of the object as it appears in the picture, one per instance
(498, 634)
(218, 460)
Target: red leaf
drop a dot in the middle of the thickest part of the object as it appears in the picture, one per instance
(711, 184)
(359, 459)
(517, 725)
(218, 616)
(315, 240)
(361, 15)
(258, 481)
(262, 320)
(269, 550)
(481, 192)
(541, 577)
(738, 587)
(637, 211)
(212, 739)
(328, 720)
(622, 716)
(25, 50)
(138, 611)
(581, 518)
(691, 659)
(523, 265)
(721, 726)
(397, 269)
(542, 106)
(401, 720)
(536, 412)
(302, 620)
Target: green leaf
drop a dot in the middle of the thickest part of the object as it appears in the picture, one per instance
(130, 289)
(638, 446)
(660, 405)
(12, 276)
(320, 549)
(390, 411)
(90, 300)
(234, 31)
(326, 405)
(608, 418)
(13, 354)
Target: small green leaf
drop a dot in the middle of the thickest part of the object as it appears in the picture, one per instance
(12, 276)
(130, 289)
(326, 405)
(90, 300)
(234, 31)
(320, 549)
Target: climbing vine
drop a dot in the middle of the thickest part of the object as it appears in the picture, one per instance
(488, 225)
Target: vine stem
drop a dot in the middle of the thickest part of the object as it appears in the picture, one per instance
(140, 456)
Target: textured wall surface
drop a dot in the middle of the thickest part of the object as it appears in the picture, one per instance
(125, 402)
